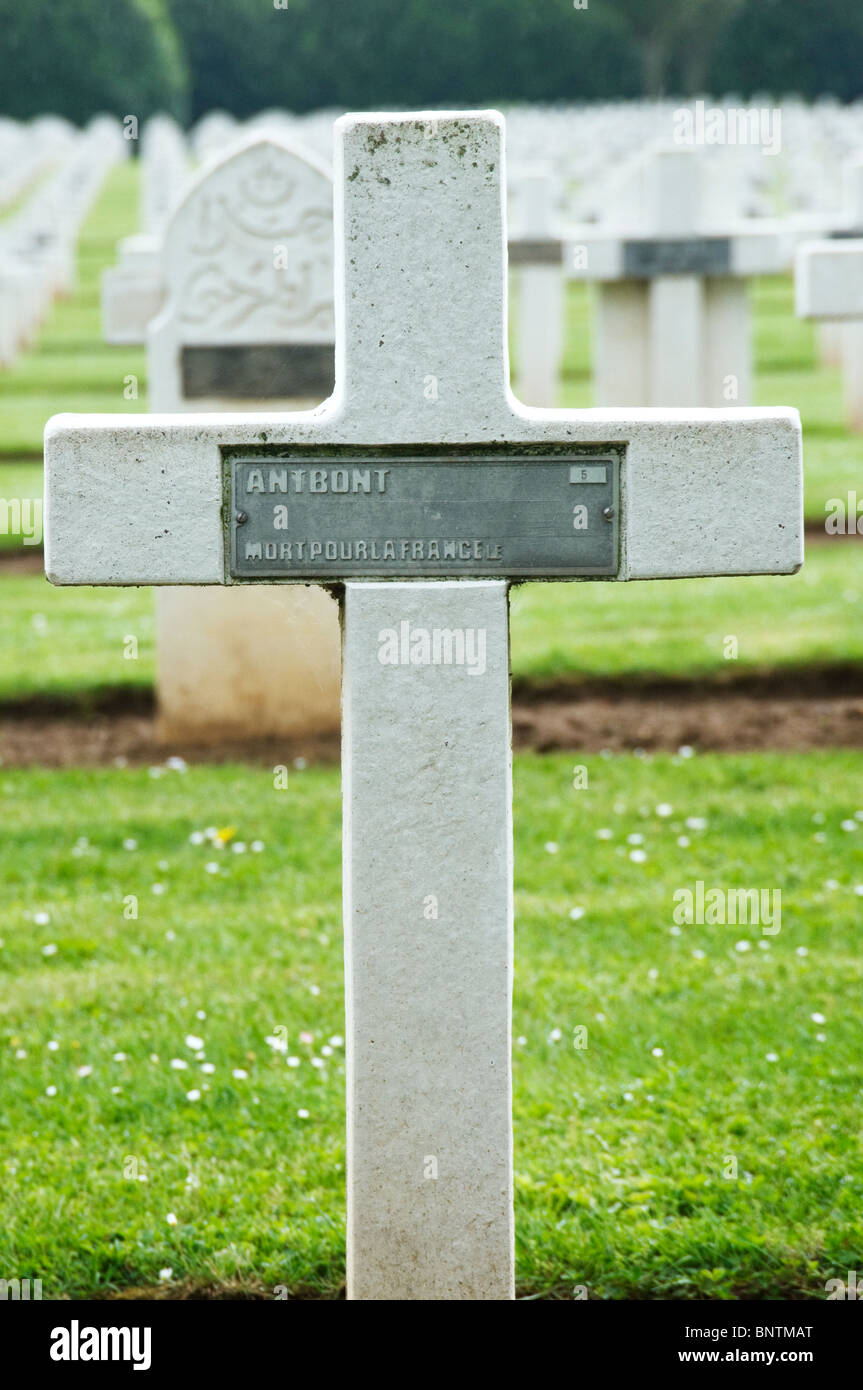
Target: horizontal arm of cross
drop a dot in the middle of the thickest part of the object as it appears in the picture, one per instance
(828, 279)
(139, 499)
(740, 252)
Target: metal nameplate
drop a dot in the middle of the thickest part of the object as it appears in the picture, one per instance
(375, 513)
(259, 371)
(643, 259)
(544, 252)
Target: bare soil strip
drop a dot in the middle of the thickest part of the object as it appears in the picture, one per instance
(777, 711)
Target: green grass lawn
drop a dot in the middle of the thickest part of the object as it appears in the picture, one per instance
(70, 643)
(678, 628)
(703, 1056)
(19, 482)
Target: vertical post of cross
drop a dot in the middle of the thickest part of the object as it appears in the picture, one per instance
(426, 737)
(676, 303)
(536, 262)
(852, 332)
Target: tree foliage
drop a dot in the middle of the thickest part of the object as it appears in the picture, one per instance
(810, 47)
(78, 57)
(246, 55)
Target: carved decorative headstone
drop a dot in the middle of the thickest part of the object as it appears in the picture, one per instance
(248, 262)
(248, 322)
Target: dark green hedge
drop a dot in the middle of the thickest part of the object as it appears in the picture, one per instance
(75, 58)
(187, 57)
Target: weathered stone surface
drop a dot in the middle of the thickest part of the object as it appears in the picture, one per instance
(257, 658)
(428, 946)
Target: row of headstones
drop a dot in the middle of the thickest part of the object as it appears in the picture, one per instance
(132, 291)
(670, 276)
(670, 307)
(238, 300)
(37, 243)
(591, 149)
(595, 155)
(27, 150)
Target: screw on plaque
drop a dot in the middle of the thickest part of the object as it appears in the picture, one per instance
(242, 518)
(608, 513)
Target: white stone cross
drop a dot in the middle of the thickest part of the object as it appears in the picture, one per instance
(536, 259)
(828, 279)
(828, 282)
(422, 396)
(672, 317)
(132, 290)
(828, 285)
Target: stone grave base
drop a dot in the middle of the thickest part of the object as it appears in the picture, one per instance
(241, 662)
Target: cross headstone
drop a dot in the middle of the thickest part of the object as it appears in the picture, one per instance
(424, 504)
(672, 318)
(821, 278)
(536, 258)
(828, 282)
(132, 290)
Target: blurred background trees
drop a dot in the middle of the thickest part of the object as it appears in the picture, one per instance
(78, 57)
